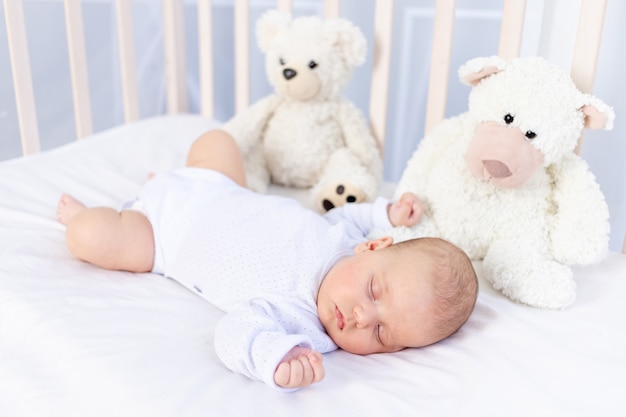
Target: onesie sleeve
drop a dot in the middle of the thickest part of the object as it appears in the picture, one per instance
(362, 217)
(249, 341)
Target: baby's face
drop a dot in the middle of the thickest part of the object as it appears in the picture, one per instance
(375, 301)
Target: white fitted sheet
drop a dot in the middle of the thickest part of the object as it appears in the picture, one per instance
(76, 340)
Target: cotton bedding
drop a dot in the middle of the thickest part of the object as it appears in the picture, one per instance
(76, 340)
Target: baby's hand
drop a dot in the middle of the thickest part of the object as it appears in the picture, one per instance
(299, 368)
(407, 211)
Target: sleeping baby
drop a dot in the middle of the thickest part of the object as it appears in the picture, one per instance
(293, 284)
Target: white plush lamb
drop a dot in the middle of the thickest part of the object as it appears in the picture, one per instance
(306, 134)
(502, 180)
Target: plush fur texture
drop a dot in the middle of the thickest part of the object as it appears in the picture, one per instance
(306, 134)
(502, 180)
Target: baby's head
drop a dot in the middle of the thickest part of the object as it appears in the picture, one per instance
(387, 297)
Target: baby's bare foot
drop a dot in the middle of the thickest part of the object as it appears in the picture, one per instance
(67, 208)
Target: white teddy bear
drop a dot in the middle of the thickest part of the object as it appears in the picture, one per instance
(502, 180)
(306, 134)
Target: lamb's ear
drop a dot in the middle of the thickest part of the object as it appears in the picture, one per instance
(598, 115)
(268, 26)
(474, 70)
(346, 36)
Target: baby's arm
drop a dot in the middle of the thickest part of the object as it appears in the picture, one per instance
(407, 211)
(299, 368)
(250, 341)
(379, 215)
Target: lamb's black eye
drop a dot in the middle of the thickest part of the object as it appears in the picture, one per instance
(312, 64)
(281, 61)
(530, 134)
(508, 119)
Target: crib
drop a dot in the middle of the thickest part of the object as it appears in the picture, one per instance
(79, 341)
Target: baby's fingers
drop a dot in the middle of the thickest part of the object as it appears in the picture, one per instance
(300, 371)
(315, 360)
(415, 214)
(294, 373)
(306, 375)
(412, 209)
(282, 375)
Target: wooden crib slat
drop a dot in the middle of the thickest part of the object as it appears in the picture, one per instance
(331, 8)
(440, 63)
(205, 44)
(512, 28)
(174, 51)
(78, 67)
(22, 78)
(588, 37)
(127, 59)
(284, 5)
(380, 72)
(242, 55)
(586, 48)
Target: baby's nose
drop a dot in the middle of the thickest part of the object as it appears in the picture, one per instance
(363, 316)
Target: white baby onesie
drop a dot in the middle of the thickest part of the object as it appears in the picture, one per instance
(259, 258)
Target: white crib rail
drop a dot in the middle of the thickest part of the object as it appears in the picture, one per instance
(242, 55)
(380, 70)
(205, 45)
(512, 28)
(174, 49)
(284, 5)
(440, 63)
(78, 67)
(127, 59)
(331, 8)
(511, 31)
(588, 36)
(22, 78)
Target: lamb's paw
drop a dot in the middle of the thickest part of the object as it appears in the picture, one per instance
(547, 285)
(336, 195)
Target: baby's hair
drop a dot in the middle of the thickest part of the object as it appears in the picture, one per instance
(454, 282)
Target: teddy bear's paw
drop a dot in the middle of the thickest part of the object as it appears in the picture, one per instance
(336, 195)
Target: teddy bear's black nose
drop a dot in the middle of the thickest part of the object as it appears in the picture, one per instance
(288, 73)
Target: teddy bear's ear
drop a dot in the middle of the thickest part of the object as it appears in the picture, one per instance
(268, 26)
(344, 35)
(598, 115)
(474, 70)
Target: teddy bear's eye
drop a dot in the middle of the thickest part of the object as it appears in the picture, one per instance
(530, 134)
(312, 64)
(281, 61)
(508, 119)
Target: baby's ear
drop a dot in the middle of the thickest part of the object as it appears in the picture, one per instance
(374, 244)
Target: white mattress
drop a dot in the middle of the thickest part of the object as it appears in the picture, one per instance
(79, 341)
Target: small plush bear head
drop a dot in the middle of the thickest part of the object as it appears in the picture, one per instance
(528, 114)
(308, 58)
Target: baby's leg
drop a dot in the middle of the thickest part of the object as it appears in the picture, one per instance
(107, 238)
(217, 150)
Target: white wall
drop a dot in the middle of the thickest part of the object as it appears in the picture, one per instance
(476, 34)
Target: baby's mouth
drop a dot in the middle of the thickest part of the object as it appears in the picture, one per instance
(341, 323)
